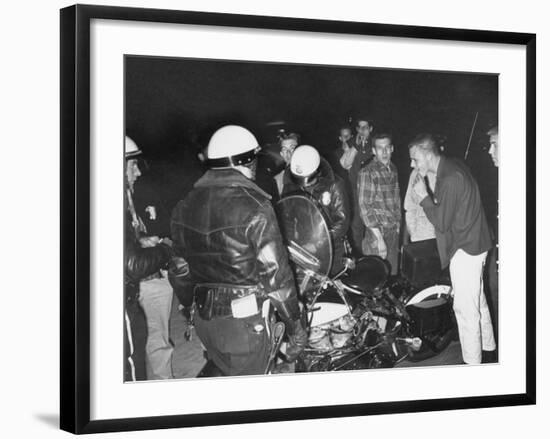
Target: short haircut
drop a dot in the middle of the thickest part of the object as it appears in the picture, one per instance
(364, 118)
(378, 136)
(294, 136)
(345, 126)
(492, 131)
(426, 142)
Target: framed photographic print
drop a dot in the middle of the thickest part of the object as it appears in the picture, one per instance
(268, 218)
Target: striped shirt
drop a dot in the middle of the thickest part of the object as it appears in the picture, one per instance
(379, 198)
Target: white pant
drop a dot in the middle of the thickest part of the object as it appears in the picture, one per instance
(470, 306)
(155, 297)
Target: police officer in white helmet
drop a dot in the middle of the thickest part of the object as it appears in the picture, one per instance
(313, 175)
(226, 230)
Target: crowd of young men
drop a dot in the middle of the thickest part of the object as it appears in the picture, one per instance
(228, 256)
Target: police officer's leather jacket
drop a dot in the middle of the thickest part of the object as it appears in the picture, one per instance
(329, 192)
(227, 231)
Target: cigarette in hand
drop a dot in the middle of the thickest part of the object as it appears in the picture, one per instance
(152, 211)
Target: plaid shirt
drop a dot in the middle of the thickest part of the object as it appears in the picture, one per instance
(378, 193)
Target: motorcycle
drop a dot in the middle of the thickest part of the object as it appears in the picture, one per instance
(361, 317)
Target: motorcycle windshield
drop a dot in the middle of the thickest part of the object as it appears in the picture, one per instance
(306, 233)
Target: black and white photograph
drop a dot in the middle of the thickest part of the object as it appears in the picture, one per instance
(276, 219)
(268, 220)
(286, 218)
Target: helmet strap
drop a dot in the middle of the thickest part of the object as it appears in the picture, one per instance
(308, 181)
(232, 161)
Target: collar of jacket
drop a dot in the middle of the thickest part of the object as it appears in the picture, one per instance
(449, 165)
(325, 171)
(228, 177)
(443, 167)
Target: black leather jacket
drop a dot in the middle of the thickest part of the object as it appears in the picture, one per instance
(227, 231)
(141, 262)
(329, 191)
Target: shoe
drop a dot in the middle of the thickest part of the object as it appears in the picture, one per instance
(489, 357)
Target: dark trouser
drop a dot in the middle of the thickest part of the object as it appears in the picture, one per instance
(134, 342)
(338, 257)
(357, 228)
(236, 346)
(491, 288)
(391, 239)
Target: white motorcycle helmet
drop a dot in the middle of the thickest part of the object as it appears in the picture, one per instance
(231, 146)
(304, 165)
(131, 149)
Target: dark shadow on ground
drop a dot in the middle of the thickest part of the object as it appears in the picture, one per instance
(50, 419)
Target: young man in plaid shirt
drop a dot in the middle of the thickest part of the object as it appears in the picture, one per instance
(380, 202)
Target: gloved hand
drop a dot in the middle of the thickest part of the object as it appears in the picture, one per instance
(297, 340)
(178, 276)
(289, 313)
(178, 267)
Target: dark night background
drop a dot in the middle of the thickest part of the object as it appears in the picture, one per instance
(173, 105)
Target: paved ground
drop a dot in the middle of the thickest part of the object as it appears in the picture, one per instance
(188, 357)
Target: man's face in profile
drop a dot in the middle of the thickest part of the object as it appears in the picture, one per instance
(494, 148)
(419, 160)
(132, 172)
(287, 148)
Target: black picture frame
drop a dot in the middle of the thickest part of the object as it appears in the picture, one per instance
(75, 217)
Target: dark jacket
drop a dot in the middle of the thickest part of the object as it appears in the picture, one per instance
(140, 262)
(329, 192)
(333, 159)
(364, 156)
(270, 163)
(227, 231)
(458, 216)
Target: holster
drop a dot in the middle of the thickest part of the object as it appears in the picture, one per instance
(131, 290)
